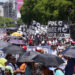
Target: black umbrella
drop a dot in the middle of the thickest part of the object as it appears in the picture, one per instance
(3, 44)
(70, 52)
(13, 49)
(28, 56)
(48, 60)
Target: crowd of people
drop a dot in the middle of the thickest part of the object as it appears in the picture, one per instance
(57, 45)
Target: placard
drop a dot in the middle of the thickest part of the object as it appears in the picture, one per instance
(57, 28)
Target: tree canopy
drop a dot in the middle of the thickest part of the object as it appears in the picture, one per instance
(7, 21)
(45, 10)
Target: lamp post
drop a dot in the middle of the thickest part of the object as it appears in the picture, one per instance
(69, 21)
(4, 17)
(69, 11)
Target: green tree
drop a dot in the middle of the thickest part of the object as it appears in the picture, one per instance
(9, 22)
(19, 21)
(72, 15)
(26, 10)
(45, 10)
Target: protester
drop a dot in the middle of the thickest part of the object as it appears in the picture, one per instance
(29, 67)
(59, 71)
(36, 40)
(2, 65)
(53, 50)
(60, 48)
(69, 70)
(37, 70)
(14, 65)
(55, 40)
(8, 57)
(46, 71)
(8, 70)
(55, 45)
(23, 68)
(30, 41)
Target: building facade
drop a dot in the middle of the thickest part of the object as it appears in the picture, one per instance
(1, 9)
(6, 9)
(10, 9)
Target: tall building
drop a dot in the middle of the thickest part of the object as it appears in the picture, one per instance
(13, 9)
(19, 5)
(10, 9)
(1, 9)
(6, 9)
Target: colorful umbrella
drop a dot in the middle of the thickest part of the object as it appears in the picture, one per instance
(16, 34)
(16, 41)
(3, 61)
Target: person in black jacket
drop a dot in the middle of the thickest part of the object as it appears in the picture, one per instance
(69, 70)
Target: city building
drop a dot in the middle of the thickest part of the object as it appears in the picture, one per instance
(10, 9)
(6, 9)
(14, 8)
(1, 9)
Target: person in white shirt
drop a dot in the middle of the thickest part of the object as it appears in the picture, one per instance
(60, 47)
(55, 40)
(53, 50)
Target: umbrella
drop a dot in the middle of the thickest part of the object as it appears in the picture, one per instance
(28, 56)
(16, 34)
(15, 37)
(73, 42)
(70, 52)
(16, 41)
(13, 49)
(48, 60)
(3, 44)
(3, 61)
(11, 29)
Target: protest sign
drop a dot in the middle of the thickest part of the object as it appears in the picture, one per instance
(57, 28)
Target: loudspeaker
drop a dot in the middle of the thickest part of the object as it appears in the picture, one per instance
(72, 32)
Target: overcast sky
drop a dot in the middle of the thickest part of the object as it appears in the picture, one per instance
(3, 0)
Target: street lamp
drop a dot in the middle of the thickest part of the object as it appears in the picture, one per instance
(69, 11)
(4, 17)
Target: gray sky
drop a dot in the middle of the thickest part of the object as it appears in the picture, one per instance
(3, 0)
